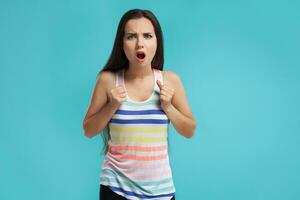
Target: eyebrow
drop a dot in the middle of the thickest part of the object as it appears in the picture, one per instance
(130, 33)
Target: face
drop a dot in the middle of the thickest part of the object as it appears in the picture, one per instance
(139, 42)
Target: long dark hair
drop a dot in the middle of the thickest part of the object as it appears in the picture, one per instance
(118, 60)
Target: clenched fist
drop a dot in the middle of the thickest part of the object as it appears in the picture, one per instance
(166, 95)
(117, 96)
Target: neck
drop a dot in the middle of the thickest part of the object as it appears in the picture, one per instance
(138, 72)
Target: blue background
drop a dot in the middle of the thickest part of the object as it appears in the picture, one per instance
(239, 63)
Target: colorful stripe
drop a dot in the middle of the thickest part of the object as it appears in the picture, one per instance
(136, 165)
(137, 148)
(139, 121)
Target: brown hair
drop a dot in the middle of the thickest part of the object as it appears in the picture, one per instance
(118, 59)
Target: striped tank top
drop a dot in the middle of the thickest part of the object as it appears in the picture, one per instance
(136, 164)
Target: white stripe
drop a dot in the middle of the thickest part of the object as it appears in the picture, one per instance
(120, 116)
(143, 153)
(145, 107)
(147, 185)
(139, 135)
(138, 125)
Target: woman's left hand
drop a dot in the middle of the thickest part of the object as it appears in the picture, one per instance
(166, 95)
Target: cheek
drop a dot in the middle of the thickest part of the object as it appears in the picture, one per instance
(152, 49)
(127, 49)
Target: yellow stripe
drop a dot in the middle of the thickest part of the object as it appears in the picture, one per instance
(138, 139)
(139, 129)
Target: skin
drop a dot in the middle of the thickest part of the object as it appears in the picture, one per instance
(140, 35)
(106, 99)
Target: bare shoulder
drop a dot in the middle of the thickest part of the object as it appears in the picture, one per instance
(106, 80)
(106, 76)
(179, 99)
(171, 78)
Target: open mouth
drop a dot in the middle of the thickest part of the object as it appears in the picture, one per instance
(140, 55)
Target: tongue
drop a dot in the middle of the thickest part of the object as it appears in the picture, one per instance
(141, 56)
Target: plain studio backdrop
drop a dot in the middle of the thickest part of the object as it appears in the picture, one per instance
(238, 61)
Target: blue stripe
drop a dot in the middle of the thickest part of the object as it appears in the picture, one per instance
(135, 186)
(119, 174)
(140, 121)
(139, 112)
(150, 102)
(116, 189)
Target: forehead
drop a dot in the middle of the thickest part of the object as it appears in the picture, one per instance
(139, 25)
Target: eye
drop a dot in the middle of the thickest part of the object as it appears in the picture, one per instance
(129, 37)
(148, 36)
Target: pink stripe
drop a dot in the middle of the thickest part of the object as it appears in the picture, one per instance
(151, 176)
(139, 166)
(136, 157)
(141, 175)
(129, 164)
(136, 148)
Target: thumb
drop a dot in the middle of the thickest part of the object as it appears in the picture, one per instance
(159, 84)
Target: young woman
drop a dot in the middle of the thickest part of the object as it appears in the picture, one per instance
(135, 100)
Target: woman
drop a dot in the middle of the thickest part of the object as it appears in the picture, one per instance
(135, 100)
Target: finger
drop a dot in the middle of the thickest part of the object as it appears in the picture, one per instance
(120, 88)
(121, 92)
(163, 97)
(159, 83)
(166, 93)
(168, 88)
(123, 95)
(162, 92)
(171, 90)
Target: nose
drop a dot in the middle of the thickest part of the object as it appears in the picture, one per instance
(140, 42)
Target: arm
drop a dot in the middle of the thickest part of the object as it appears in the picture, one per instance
(98, 121)
(178, 111)
(100, 111)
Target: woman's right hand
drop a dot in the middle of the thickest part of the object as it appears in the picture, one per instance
(117, 96)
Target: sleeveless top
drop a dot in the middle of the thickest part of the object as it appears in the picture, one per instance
(136, 165)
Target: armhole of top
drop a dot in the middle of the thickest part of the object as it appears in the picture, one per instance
(119, 78)
(159, 76)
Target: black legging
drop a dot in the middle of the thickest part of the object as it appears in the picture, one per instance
(105, 193)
